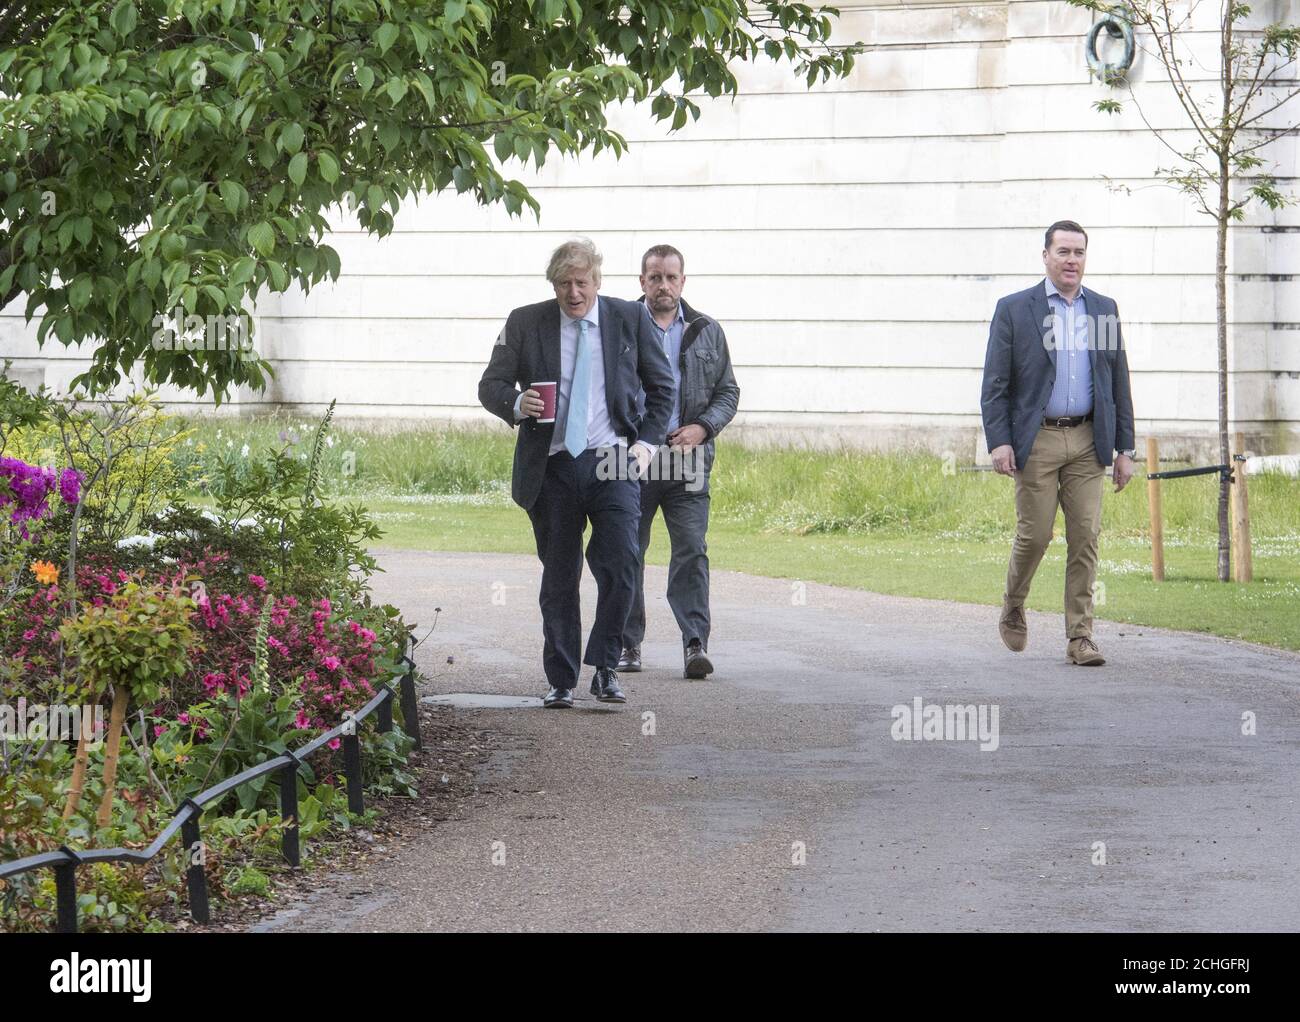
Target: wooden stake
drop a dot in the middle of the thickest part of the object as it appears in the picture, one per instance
(1157, 516)
(1242, 569)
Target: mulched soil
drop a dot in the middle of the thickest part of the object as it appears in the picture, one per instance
(448, 777)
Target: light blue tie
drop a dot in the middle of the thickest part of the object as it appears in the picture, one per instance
(575, 427)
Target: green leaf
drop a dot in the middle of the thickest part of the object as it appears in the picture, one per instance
(232, 194)
(262, 238)
(453, 12)
(142, 308)
(298, 168)
(242, 270)
(123, 18)
(173, 247)
(79, 292)
(385, 36)
(327, 166)
(291, 137)
(279, 276)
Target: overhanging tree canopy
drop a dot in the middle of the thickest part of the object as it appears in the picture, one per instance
(161, 154)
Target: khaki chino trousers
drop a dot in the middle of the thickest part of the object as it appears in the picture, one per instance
(1062, 470)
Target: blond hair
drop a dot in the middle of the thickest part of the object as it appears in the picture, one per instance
(578, 254)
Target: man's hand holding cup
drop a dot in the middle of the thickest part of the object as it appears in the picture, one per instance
(538, 402)
(532, 404)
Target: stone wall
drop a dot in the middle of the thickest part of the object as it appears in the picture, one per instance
(853, 240)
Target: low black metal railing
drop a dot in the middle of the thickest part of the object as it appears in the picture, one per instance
(65, 860)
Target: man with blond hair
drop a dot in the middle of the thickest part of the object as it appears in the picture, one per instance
(601, 354)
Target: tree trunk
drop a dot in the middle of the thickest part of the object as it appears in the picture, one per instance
(115, 722)
(78, 777)
(1227, 73)
(1221, 315)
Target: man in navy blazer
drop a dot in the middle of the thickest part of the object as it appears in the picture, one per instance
(1056, 404)
(601, 353)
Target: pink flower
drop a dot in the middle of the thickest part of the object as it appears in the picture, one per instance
(331, 663)
(158, 729)
(301, 722)
(258, 581)
(333, 743)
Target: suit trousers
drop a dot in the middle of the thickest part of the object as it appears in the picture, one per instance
(1062, 470)
(572, 494)
(686, 513)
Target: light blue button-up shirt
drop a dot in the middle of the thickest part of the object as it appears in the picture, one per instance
(600, 432)
(1072, 391)
(671, 339)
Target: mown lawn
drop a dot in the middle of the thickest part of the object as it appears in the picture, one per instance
(968, 571)
(908, 524)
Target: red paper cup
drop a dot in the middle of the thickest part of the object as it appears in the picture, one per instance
(547, 391)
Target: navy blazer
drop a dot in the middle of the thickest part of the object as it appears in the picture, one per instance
(1020, 371)
(528, 350)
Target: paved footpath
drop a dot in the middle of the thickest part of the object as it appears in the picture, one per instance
(774, 797)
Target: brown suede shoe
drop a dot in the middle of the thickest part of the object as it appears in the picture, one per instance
(1013, 628)
(1084, 652)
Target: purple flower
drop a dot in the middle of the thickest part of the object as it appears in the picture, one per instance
(27, 487)
(70, 486)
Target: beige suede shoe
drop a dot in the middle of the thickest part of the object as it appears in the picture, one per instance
(1084, 652)
(1013, 628)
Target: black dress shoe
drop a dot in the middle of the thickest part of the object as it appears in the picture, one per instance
(604, 686)
(558, 699)
(631, 659)
(698, 664)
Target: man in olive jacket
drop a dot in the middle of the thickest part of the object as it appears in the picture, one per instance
(705, 399)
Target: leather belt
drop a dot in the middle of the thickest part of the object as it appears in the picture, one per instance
(1061, 422)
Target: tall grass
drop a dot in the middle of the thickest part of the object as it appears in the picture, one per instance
(785, 490)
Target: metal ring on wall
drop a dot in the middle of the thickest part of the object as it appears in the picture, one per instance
(1119, 28)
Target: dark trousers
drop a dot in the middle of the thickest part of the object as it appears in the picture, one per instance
(571, 495)
(686, 513)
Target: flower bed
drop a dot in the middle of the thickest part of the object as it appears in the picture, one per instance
(231, 635)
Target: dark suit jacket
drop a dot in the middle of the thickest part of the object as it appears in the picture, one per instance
(528, 350)
(1020, 370)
